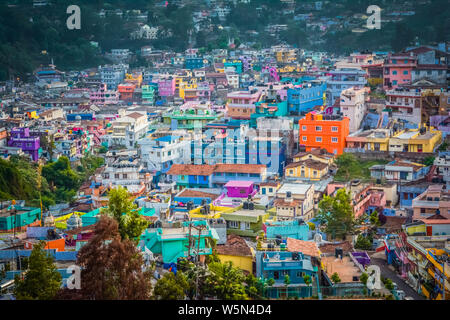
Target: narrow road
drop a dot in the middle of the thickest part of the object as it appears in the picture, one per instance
(401, 284)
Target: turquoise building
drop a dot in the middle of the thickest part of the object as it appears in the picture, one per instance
(93, 216)
(286, 229)
(21, 217)
(172, 242)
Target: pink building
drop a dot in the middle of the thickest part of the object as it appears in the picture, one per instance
(103, 96)
(398, 69)
(241, 104)
(166, 87)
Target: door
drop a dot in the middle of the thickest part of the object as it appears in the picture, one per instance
(429, 230)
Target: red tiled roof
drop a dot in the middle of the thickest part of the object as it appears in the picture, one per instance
(306, 247)
(240, 168)
(206, 169)
(330, 247)
(284, 203)
(191, 169)
(309, 163)
(235, 246)
(197, 194)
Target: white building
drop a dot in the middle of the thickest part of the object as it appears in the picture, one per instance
(128, 129)
(353, 106)
(158, 154)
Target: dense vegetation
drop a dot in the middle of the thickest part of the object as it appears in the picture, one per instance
(19, 179)
(33, 36)
(349, 167)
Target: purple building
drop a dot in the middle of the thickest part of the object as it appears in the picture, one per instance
(240, 189)
(21, 138)
(166, 87)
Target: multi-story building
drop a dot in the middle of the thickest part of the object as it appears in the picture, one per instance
(103, 96)
(166, 86)
(158, 154)
(113, 75)
(368, 140)
(304, 98)
(241, 104)
(416, 140)
(323, 131)
(189, 119)
(277, 264)
(405, 104)
(126, 92)
(21, 138)
(127, 130)
(397, 70)
(148, 94)
(295, 201)
(127, 173)
(343, 79)
(194, 63)
(400, 171)
(353, 106)
(435, 200)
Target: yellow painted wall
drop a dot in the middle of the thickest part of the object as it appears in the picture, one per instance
(309, 172)
(416, 229)
(243, 263)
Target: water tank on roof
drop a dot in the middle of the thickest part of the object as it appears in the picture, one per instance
(245, 205)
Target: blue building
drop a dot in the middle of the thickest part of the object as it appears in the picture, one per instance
(194, 63)
(304, 99)
(277, 264)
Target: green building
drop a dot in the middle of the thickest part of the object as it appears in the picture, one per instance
(148, 94)
(245, 223)
(189, 119)
(92, 217)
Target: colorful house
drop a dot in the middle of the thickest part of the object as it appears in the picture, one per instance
(324, 131)
(305, 97)
(173, 242)
(397, 70)
(277, 264)
(240, 189)
(295, 229)
(237, 251)
(19, 218)
(245, 223)
(21, 138)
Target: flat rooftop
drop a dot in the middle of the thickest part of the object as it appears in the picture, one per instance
(345, 268)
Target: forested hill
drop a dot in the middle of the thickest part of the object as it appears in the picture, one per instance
(30, 36)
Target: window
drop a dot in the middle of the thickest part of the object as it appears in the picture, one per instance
(394, 72)
(291, 171)
(124, 176)
(116, 176)
(304, 138)
(270, 189)
(304, 128)
(300, 274)
(334, 129)
(394, 82)
(335, 140)
(405, 72)
(233, 224)
(318, 139)
(318, 128)
(276, 275)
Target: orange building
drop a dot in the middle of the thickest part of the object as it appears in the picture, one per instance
(126, 91)
(323, 131)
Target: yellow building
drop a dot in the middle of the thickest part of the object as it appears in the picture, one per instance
(307, 169)
(237, 252)
(135, 79)
(416, 140)
(369, 140)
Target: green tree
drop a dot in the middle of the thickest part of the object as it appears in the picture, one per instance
(124, 211)
(363, 278)
(346, 162)
(335, 278)
(363, 243)
(171, 287)
(307, 279)
(226, 281)
(42, 281)
(336, 213)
